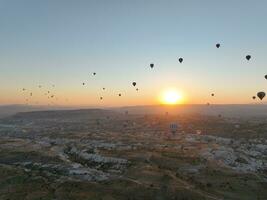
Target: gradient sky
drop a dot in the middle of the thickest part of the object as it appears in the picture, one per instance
(63, 42)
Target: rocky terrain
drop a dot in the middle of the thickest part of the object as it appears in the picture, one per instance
(102, 154)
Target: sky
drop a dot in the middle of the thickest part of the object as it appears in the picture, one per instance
(62, 42)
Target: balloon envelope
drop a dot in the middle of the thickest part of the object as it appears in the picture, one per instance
(180, 60)
(248, 57)
(261, 95)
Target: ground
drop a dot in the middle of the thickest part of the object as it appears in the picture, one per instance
(105, 155)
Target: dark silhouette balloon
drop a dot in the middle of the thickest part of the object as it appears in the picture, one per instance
(101, 98)
(83, 83)
(248, 57)
(120, 95)
(94, 73)
(103, 88)
(181, 60)
(212, 94)
(265, 76)
(136, 89)
(261, 95)
(253, 97)
(151, 65)
(134, 84)
(218, 45)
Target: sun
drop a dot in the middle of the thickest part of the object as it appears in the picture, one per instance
(171, 97)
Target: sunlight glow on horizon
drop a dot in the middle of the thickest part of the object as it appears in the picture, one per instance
(171, 97)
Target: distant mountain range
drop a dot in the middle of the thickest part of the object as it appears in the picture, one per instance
(234, 110)
(244, 110)
(7, 110)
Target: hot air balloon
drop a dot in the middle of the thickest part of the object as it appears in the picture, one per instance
(151, 65)
(265, 76)
(248, 57)
(134, 84)
(136, 89)
(23, 89)
(212, 94)
(94, 73)
(181, 60)
(119, 94)
(253, 97)
(103, 88)
(261, 95)
(218, 45)
(101, 98)
(83, 83)
(173, 128)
